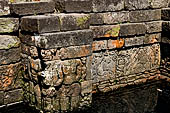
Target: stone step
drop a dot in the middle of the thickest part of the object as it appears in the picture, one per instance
(31, 8)
(59, 39)
(54, 22)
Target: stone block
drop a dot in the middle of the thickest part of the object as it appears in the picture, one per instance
(29, 50)
(64, 39)
(119, 43)
(165, 14)
(132, 29)
(28, 8)
(96, 19)
(4, 8)
(104, 66)
(138, 60)
(8, 42)
(74, 6)
(75, 51)
(106, 31)
(116, 17)
(8, 25)
(10, 74)
(40, 23)
(107, 5)
(10, 56)
(165, 40)
(136, 4)
(134, 41)
(13, 96)
(74, 21)
(145, 15)
(1, 98)
(152, 38)
(99, 45)
(154, 26)
(159, 3)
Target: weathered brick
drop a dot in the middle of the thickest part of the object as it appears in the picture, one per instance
(7, 42)
(159, 3)
(4, 7)
(154, 26)
(165, 14)
(119, 43)
(8, 25)
(74, 6)
(96, 19)
(40, 23)
(134, 41)
(1, 98)
(107, 5)
(13, 96)
(75, 52)
(145, 15)
(74, 21)
(9, 76)
(132, 29)
(106, 31)
(99, 45)
(27, 8)
(152, 38)
(59, 39)
(136, 4)
(115, 17)
(9, 56)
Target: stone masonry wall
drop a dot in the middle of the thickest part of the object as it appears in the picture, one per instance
(57, 54)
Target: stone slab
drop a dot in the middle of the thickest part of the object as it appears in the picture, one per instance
(7, 42)
(40, 23)
(31, 8)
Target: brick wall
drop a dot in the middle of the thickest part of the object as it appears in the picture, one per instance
(57, 54)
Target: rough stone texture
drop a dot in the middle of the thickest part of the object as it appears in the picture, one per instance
(159, 3)
(132, 29)
(10, 76)
(116, 17)
(134, 41)
(113, 65)
(107, 5)
(145, 15)
(105, 31)
(9, 56)
(4, 7)
(40, 23)
(8, 25)
(152, 38)
(7, 42)
(154, 26)
(136, 4)
(96, 18)
(26, 8)
(13, 96)
(60, 39)
(74, 21)
(74, 6)
(99, 45)
(119, 43)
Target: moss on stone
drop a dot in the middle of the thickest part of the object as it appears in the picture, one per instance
(114, 32)
(81, 21)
